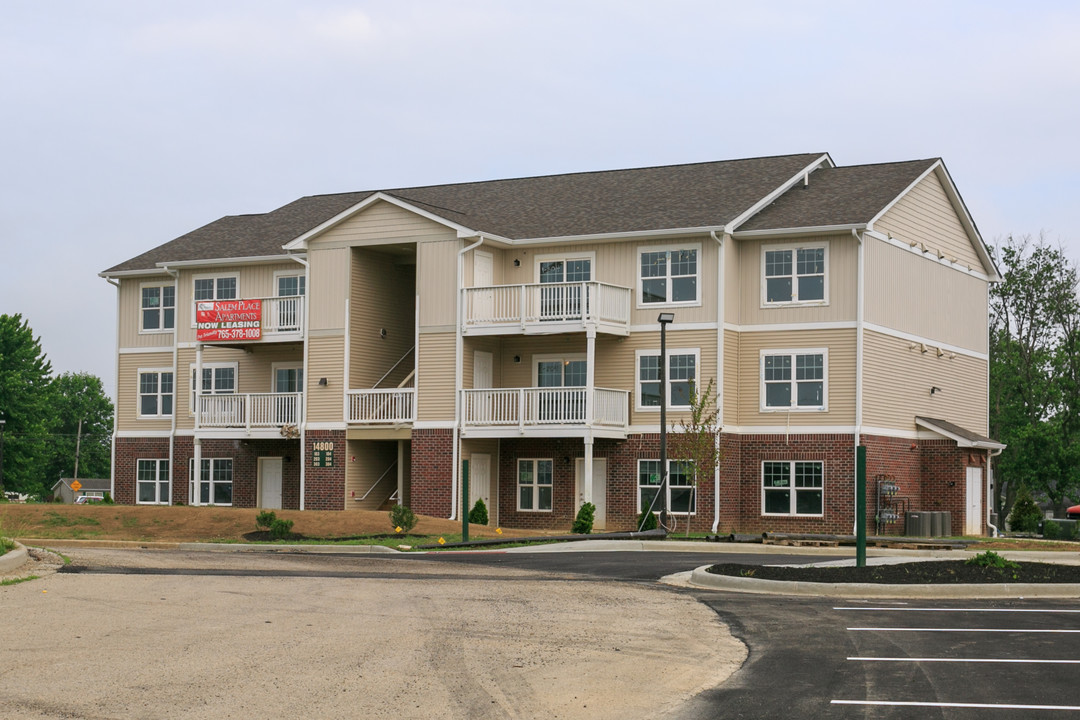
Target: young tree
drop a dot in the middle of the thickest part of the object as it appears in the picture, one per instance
(82, 427)
(24, 405)
(696, 439)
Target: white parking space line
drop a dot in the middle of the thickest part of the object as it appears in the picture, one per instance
(956, 630)
(966, 610)
(1028, 661)
(982, 706)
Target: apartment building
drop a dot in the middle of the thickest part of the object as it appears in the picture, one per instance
(353, 350)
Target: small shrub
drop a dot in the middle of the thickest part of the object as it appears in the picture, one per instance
(992, 560)
(479, 514)
(1051, 530)
(402, 517)
(1069, 531)
(584, 520)
(281, 529)
(107, 499)
(1025, 516)
(646, 521)
(265, 519)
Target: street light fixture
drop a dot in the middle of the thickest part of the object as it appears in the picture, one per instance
(664, 319)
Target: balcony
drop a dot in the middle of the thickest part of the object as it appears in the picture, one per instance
(281, 320)
(250, 411)
(545, 411)
(545, 308)
(395, 406)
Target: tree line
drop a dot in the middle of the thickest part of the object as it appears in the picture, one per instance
(50, 421)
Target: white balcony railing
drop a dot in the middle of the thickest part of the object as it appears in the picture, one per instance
(250, 410)
(393, 406)
(533, 306)
(531, 407)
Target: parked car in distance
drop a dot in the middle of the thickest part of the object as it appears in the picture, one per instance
(87, 499)
(1073, 513)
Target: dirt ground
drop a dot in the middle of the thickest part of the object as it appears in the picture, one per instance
(157, 523)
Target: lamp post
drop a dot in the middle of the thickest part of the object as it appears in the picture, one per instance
(664, 319)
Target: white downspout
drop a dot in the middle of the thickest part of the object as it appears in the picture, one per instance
(721, 288)
(459, 369)
(303, 395)
(990, 455)
(176, 378)
(860, 278)
(112, 461)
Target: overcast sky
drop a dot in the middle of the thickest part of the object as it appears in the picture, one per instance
(126, 123)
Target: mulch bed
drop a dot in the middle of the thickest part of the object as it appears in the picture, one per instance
(929, 572)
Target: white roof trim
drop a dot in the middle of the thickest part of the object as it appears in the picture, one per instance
(768, 199)
(626, 235)
(810, 230)
(960, 441)
(300, 243)
(147, 272)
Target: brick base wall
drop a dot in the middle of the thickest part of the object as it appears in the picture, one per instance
(128, 452)
(431, 471)
(324, 488)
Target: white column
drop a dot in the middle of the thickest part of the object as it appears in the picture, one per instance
(590, 378)
(587, 480)
(196, 474)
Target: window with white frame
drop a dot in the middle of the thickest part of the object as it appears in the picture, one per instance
(794, 274)
(291, 285)
(152, 480)
(792, 487)
(794, 379)
(669, 276)
(217, 379)
(215, 485)
(681, 375)
(680, 486)
(158, 305)
(155, 393)
(535, 480)
(215, 287)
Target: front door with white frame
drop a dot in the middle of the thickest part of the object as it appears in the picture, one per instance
(599, 488)
(973, 523)
(480, 482)
(270, 483)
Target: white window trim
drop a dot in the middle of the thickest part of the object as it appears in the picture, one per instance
(274, 367)
(280, 274)
(667, 486)
(638, 354)
(565, 257)
(193, 484)
(640, 304)
(139, 394)
(561, 357)
(215, 276)
(196, 383)
(159, 284)
(535, 485)
(793, 502)
(824, 352)
(794, 247)
(157, 482)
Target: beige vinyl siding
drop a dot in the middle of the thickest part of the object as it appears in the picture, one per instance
(897, 382)
(498, 262)
(617, 263)
(489, 344)
(254, 371)
(731, 377)
(127, 391)
(383, 297)
(926, 215)
(383, 222)
(375, 459)
(733, 281)
(129, 297)
(437, 281)
(328, 287)
(253, 281)
(841, 376)
(909, 293)
(326, 404)
(840, 275)
(435, 377)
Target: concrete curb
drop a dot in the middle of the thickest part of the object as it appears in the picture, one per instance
(13, 560)
(701, 578)
(291, 549)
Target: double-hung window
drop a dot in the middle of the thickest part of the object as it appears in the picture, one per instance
(152, 478)
(794, 487)
(217, 287)
(215, 482)
(794, 274)
(155, 393)
(535, 480)
(217, 379)
(794, 379)
(559, 299)
(680, 486)
(158, 306)
(290, 288)
(669, 275)
(681, 375)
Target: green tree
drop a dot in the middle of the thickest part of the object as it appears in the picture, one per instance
(24, 405)
(696, 440)
(1035, 373)
(82, 427)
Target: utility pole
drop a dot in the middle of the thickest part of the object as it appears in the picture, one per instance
(78, 447)
(2, 422)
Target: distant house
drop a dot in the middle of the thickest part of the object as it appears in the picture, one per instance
(88, 487)
(350, 350)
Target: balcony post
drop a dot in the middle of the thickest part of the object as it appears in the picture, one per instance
(521, 410)
(588, 470)
(590, 376)
(521, 307)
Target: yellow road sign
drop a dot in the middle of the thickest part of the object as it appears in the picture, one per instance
(76, 486)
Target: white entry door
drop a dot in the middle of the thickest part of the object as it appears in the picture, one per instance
(483, 276)
(973, 524)
(480, 482)
(270, 483)
(599, 488)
